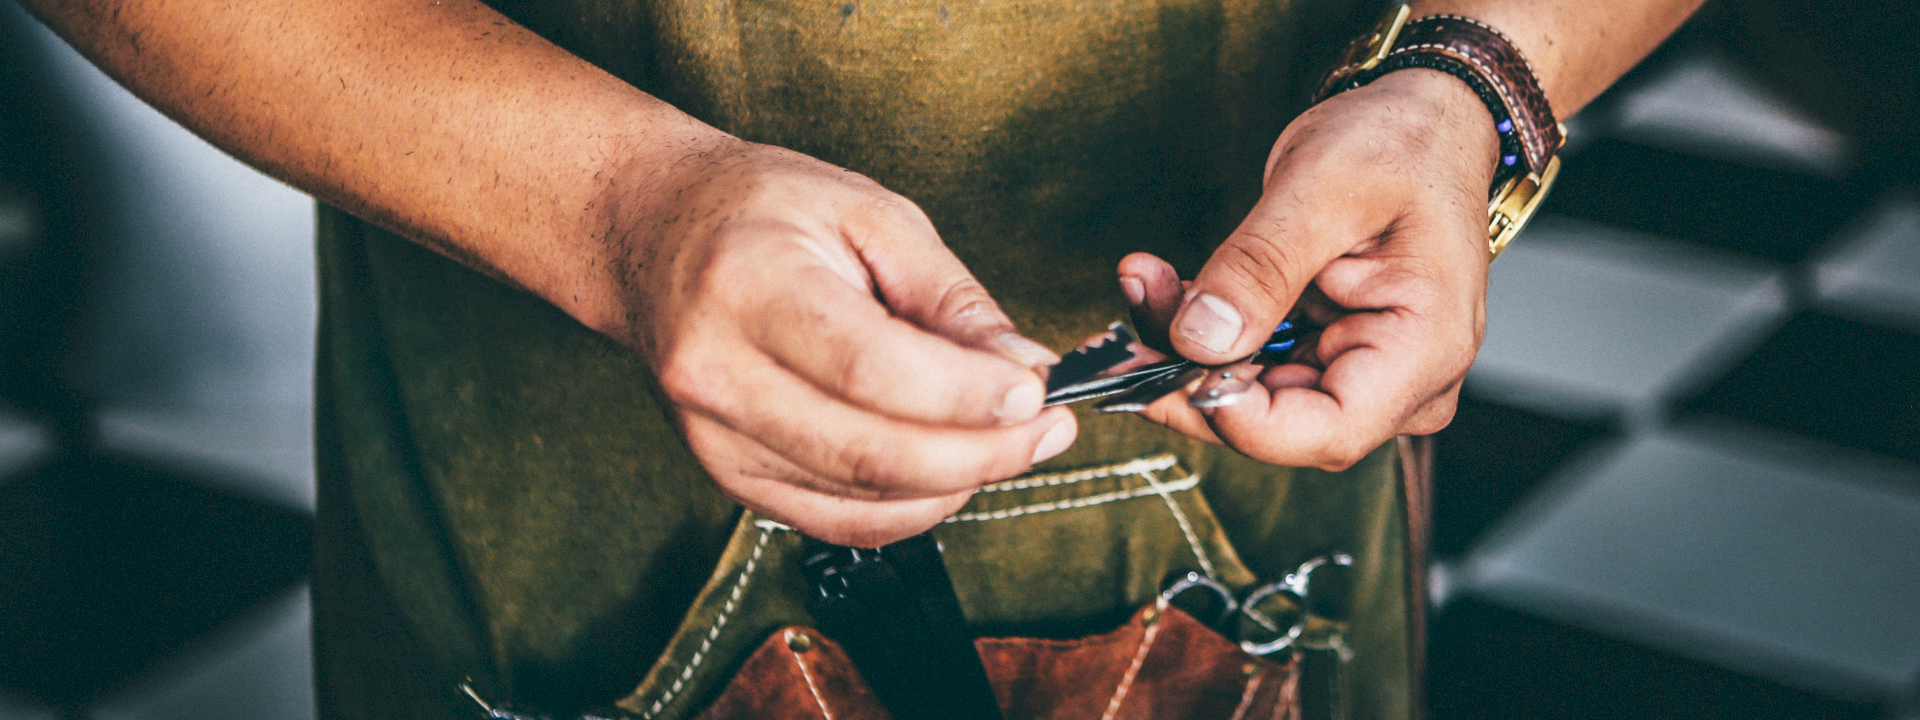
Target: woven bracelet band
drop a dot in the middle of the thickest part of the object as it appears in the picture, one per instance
(1495, 70)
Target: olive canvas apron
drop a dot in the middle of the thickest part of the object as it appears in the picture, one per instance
(504, 504)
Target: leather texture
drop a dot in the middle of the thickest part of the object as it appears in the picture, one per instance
(1490, 56)
(1161, 664)
(1501, 66)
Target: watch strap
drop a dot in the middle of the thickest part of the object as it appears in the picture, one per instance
(1461, 46)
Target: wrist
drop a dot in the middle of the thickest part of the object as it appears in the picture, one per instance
(1488, 62)
(1448, 114)
(650, 165)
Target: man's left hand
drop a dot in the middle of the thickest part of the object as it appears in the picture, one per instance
(1372, 226)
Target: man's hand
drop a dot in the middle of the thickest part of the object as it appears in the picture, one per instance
(831, 363)
(1372, 225)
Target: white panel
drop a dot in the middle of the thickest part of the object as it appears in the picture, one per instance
(260, 670)
(1706, 105)
(19, 224)
(21, 444)
(204, 306)
(266, 451)
(12, 709)
(1584, 319)
(206, 286)
(1874, 271)
(1767, 554)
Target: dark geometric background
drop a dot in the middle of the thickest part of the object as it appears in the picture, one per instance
(1684, 482)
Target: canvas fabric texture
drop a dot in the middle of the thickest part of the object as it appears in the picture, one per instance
(503, 500)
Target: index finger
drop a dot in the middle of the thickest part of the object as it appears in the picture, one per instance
(843, 341)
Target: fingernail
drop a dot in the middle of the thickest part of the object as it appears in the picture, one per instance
(1054, 442)
(1136, 291)
(1210, 321)
(1224, 389)
(1020, 403)
(1024, 351)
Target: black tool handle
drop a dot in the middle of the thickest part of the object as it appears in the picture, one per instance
(894, 611)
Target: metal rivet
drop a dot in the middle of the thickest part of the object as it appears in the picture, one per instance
(799, 642)
(1152, 616)
(1249, 669)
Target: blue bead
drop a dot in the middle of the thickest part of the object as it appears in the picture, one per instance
(1510, 159)
(1505, 126)
(1279, 346)
(1284, 325)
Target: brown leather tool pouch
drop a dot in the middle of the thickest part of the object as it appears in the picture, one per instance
(1161, 664)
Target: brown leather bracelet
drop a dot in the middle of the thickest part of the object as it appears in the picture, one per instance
(1495, 70)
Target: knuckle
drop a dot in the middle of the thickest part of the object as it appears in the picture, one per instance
(727, 279)
(1342, 454)
(1259, 262)
(896, 207)
(867, 466)
(996, 467)
(1432, 422)
(893, 468)
(683, 382)
(965, 298)
(1336, 462)
(1461, 359)
(912, 468)
(966, 467)
(860, 376)
(706, 445)
(678, 379)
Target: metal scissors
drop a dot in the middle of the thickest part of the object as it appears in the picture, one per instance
(1083, 374)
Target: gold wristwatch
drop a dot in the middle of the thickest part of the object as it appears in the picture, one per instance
(1493, 67)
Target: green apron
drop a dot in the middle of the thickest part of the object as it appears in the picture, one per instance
(504, 503)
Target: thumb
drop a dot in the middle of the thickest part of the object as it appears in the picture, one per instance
(1250, 284)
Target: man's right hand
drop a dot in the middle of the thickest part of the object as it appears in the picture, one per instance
(830, 361)
(831, 364)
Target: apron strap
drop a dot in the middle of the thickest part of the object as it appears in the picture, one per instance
(894, 612)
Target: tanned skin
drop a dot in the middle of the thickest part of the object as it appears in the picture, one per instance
(437, 119)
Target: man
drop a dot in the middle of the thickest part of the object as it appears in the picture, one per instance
(503, 495)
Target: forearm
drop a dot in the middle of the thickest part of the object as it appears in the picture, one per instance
(441, 120)
(1576, 47)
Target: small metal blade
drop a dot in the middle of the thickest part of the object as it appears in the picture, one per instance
(1080, 365)
(1102, 387)
(1145, 393)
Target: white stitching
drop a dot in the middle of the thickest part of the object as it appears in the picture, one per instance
(808, 676)
(1139, 658)
(1290, 692)
(720, 621)
(1180, 516)
(1471, 21)
(1246, 698)
(1131, 467)
(1088, 501)
(1144, 467)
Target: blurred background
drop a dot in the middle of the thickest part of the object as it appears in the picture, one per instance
(1685, 481)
